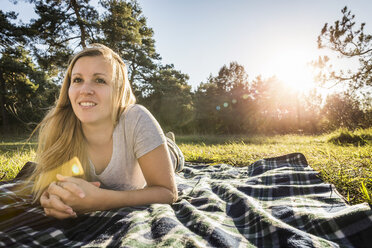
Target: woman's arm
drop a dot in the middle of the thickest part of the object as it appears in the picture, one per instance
(158, 171)
(161, 188)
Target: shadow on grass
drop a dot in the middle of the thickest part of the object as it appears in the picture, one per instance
(346, 137)
(16, 147)
(17, 142)
(220, 139)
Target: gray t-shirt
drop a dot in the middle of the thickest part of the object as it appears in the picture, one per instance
(136, 134)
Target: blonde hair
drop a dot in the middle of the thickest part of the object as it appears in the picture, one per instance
(60, 132)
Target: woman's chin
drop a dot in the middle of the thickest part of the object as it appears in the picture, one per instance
(94, 121)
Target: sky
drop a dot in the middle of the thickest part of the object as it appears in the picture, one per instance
(267, 37)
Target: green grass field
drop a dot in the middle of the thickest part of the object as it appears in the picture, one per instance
(346, 163)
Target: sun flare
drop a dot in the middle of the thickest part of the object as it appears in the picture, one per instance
(293, 69)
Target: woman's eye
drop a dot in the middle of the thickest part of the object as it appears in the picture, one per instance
(100, 81)
(77, 80)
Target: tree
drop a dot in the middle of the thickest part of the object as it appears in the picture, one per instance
(230, 78)
(125, 31)
(169, 98)
(342, 110)
(311, 109)
(219, 103)
(26, 88)
(26, 92)
(206, 101)
(61, 24)
(64, 25)
(10, 35)
(275, 108)
(349, 42)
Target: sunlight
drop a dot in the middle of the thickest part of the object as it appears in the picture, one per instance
(292, 68)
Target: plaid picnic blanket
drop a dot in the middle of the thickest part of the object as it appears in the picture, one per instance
(275, 202)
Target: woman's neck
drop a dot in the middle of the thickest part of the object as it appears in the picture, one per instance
(98, 135)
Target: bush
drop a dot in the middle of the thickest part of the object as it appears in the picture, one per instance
(357, 138)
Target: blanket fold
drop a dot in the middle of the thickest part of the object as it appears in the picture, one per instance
(275, 202)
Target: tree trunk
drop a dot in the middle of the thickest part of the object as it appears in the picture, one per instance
(4, 116)
(83, 35)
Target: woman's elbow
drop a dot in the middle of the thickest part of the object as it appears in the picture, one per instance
(172, 195)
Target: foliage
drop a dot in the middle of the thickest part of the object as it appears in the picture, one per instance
(352, 43)
(161, 88)
(64, 25)
(311, 116)
(357, 138)
(26, 91)
(341, 110)
(230, 104)
(34, 57)
(125, 30)
(168, 97)
(59, 25)
(219, 103)
(278, 109)
(10, 33)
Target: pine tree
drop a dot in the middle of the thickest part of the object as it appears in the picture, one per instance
(169, 98)
(125, 30)
(10, 34)
(352, 43)
(26, 92)
(62, 26)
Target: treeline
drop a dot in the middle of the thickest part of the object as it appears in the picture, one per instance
(34, 57)
(229, 103)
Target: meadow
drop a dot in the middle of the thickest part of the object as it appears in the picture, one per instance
(342, 158)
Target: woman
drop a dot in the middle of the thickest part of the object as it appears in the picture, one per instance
(119, 144)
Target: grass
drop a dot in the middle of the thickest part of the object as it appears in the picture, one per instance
(347, 165)
(357, 138)
(14, 153)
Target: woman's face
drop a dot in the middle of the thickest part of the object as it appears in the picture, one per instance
(90, 90)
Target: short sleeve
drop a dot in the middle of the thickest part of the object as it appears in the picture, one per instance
(147, 133)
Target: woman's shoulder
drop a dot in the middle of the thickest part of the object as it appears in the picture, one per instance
(135, 111)
(137, 120)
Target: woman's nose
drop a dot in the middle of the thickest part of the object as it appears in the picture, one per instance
(87, 89)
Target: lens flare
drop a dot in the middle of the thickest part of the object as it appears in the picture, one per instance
(75, 169)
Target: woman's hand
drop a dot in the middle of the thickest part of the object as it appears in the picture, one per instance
(54, 199)
(53, 206)
(77, 193)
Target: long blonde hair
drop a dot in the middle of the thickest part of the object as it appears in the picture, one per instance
(60, 132)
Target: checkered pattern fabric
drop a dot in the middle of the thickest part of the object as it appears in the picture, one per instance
(275, 202)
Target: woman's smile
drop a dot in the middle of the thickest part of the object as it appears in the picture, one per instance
(86, 104)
